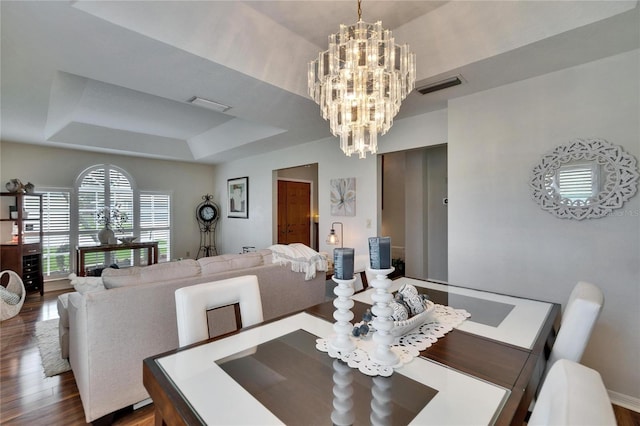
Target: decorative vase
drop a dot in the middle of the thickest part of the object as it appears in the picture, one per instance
(106, 235)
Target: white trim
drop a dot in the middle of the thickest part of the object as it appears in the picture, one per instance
(626, 401)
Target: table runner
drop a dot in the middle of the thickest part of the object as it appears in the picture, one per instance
(407, 347)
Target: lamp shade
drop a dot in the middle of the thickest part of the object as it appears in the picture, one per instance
(333, 238)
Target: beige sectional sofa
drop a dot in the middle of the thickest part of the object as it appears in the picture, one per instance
(110, 331)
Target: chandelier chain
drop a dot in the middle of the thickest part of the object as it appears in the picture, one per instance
(359, 10)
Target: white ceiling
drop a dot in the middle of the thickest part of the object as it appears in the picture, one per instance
(115, 76)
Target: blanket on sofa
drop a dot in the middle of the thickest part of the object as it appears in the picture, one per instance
(302, 258)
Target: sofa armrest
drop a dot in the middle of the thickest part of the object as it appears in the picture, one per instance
(63, 324)
(111, 332)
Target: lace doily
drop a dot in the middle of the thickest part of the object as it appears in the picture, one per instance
(407, 346)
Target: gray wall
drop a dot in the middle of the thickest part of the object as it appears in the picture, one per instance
(499, 239)
(436, 213)
(393, 222)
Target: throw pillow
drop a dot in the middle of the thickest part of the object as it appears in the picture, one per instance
(85, 284)
(9, 297)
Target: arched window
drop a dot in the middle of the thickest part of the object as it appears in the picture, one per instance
(106, 196)
(108, 191)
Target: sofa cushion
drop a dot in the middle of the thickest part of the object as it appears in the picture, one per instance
(214, 264)
(245, 260)
(113, 278)
(230, 262)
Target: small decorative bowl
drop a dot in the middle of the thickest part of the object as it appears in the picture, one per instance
(127, 240)
(403, 327)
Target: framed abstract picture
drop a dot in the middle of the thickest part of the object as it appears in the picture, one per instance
(238, 197)
(343, 197)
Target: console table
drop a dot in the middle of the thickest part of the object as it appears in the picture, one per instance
(152, 252)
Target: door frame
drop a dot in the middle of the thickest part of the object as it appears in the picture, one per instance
(312, 207)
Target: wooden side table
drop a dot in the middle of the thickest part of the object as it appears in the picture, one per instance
(151, 247)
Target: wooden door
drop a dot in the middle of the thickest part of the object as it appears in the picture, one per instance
(294, 212)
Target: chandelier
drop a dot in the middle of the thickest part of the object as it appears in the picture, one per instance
(360, 82)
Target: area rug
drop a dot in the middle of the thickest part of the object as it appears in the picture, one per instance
(49, 346)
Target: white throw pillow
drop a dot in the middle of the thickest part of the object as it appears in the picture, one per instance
(85, 284)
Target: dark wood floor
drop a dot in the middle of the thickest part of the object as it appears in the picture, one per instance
(29, 398)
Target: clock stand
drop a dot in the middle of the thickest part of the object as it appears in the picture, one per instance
(207, 215)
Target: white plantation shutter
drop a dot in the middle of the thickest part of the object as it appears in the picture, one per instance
(91, 197)
(121, 195)
(155, 221)
(56, 227)
(103, 186)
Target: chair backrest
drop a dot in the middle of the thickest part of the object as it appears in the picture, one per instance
(572, 394)
(578, 320)
(193, 302)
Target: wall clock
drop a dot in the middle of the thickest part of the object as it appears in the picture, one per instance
(207, 215)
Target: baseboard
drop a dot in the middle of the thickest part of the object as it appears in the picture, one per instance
(625, 401)
(142, 403)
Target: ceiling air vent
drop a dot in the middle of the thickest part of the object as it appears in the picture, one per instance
(206, 103)
(439, 85)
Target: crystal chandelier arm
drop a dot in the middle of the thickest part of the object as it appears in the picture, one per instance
(360, 82)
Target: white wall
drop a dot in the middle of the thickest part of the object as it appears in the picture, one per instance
(424, 130)
(257, 229)
(55, 167)
(499, 239)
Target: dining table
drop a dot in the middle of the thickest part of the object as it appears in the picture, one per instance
(485, 370)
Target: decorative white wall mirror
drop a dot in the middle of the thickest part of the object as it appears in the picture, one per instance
(584, 179)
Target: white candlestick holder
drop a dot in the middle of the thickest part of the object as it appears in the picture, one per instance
(341, 341)
(381, 405)
(342, 414)
(383, 320)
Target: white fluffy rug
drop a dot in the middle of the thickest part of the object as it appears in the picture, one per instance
(49, 345)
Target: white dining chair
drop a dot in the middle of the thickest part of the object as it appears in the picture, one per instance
(578, 320)
(193, 302)
(572, 394)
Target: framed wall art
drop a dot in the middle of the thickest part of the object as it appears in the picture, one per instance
(343, 197)
(238, 197)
